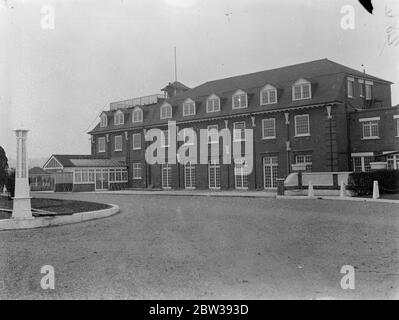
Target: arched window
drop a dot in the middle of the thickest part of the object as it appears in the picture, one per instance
(119, 118)
(103, 120)
(301, 89)
(137, 115)
(268, 95)
(188, 108)
(213, 103)
(166, 111)
(240, 100)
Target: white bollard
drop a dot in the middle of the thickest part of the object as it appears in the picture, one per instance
(342, 189)
(376, 190)
(310, 189)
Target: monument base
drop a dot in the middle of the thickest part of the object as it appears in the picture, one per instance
(22, 208)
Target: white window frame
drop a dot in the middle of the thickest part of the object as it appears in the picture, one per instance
(116, 175)
(214, 165)
(268, 89)
(370, 123)
(210, 104)
(191, 169)
(168, 114)
(295, 122)
(301, 83)
(394, 158)
(139, 113)
(103, 120)
(84, 176)
(121, 143)
(101, 144)
(235, 132)
(119, 118)
(239, 93)
(361, 88)
(350, 87)
(137, 171)
(134, 136)
(362, 156)
(241, 175)
(305, 161)
(189, 108)
(269, 166)
(263, 128)
(368, 93)
(214, 127)
(396, 119)
(168, 168)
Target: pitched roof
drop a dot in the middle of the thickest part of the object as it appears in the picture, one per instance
(327, 79)
(177, 85)
(37, 170)
(79, 160)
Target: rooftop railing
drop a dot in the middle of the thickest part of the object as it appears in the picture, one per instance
(140, 101)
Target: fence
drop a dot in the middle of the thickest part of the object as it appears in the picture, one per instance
(323, 183)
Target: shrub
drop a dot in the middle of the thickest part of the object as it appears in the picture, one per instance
(362, 182)
(10, 184)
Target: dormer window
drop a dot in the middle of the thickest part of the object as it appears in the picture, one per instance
(103, 120)
(213, 103)
(119, 118)
(268, 95)
(137, 115)
(301, 90)
(166, 111)
(188, 108)
(240, 99)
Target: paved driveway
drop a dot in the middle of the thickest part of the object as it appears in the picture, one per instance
(181, 247)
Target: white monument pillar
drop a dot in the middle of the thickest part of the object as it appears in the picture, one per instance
(22, 207)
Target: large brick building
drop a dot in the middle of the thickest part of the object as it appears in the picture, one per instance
(320, 115)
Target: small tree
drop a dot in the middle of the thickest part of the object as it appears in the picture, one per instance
(10, 185)
(3, 168)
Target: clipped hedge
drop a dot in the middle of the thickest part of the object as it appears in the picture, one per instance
(362, 182)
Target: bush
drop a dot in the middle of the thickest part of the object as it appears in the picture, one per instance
(10, 184)
(362, 182)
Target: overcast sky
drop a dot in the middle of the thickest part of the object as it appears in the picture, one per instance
(57, 81)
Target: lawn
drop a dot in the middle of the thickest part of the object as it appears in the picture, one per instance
(54, 205)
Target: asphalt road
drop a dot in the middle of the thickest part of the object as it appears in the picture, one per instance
(179, 247)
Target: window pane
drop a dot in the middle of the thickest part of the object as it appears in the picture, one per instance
(302, 125)
(272, 96)
(239, 131)
(297, 92)
(216, 105)
(361, 89)
(357, 164)
(268, 128)
(306, 90)
(213, 134)
(374, 128)
(368, 92)
(350, 88)
(137, 141)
